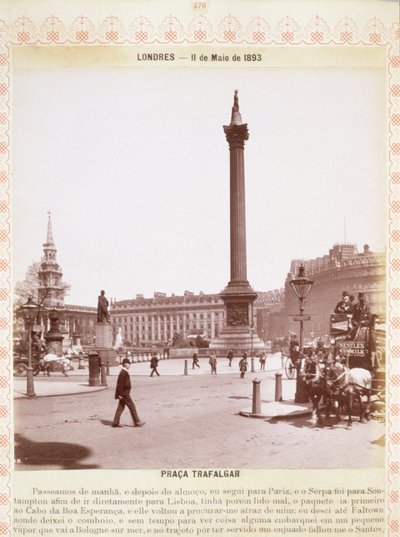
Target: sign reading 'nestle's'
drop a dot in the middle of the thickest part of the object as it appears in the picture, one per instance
(353, 348)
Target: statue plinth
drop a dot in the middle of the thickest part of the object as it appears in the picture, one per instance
(54, 337)
(104, 344)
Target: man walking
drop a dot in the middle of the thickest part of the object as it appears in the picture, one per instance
(195, 362)
(213, 363)
(243, 365)
(122, 393)
(230, 357)
(154, 364)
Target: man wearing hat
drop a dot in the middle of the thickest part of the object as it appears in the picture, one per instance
(362, 314)
(154, 364)
(122, 393)
(344, 306)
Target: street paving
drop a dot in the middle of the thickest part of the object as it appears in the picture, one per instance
(191, 421)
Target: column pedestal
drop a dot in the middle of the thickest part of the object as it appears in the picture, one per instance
(104, 340)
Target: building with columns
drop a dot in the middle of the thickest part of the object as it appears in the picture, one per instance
(143, 321)
(155, 321)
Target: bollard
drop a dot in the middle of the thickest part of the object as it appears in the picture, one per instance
(103, 378)
(186, 368)
(107, 368)
(94, 366)
(256, 408)
(252, 364)
(278, 387)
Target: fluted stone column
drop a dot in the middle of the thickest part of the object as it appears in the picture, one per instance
(238, 295)
(236, 136)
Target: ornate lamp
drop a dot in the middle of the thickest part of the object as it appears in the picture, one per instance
(301, 287)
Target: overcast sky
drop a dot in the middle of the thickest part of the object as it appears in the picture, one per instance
(134, 166)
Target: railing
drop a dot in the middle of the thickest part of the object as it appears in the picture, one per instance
(136, 357)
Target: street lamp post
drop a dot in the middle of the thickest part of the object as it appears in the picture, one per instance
(301, 287)
(29, 310)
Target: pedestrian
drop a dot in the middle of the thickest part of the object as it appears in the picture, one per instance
(195, 362)
(154, 364)
(213, 363)
(262, 361)
(243, 365)
(230, 357)
(122, 393)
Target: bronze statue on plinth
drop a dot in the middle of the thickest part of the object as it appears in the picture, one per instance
(102, 309)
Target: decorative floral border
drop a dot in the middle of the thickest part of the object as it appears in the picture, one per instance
(200, 30)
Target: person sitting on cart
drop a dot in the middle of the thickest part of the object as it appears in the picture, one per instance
(344, 306)
(309, 367)
(294, 350)
(320, 346)
(362, 313)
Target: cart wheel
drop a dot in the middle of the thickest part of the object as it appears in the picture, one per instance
(20, 370)
(290, 370)
(36, 369)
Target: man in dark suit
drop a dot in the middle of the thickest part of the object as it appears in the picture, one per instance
(344, 306)
(122, 393)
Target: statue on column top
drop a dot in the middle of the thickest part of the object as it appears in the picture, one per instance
(236, 118)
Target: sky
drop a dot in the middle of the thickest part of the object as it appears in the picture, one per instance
(134, 166)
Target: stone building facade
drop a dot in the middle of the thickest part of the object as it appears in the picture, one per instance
(343, 269)
(155, 321)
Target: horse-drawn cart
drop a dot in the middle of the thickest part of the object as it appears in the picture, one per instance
(362, 346)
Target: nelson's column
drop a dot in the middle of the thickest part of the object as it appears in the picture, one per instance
(238, 296)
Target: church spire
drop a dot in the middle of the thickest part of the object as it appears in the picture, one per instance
(51, 291)
(50, 239)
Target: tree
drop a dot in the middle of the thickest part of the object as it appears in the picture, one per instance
(30, 285)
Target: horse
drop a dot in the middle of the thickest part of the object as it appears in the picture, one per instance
(319, 377)
(350, 386)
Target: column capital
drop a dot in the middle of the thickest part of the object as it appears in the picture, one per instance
(236, 135)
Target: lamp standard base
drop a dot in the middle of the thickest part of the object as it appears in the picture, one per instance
(301, 395)
(30, 390)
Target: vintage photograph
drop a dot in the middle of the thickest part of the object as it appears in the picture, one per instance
(199, 265)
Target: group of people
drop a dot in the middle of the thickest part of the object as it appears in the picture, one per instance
(358, 312)
(123, 388)
(243, 364)
(360, 321)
